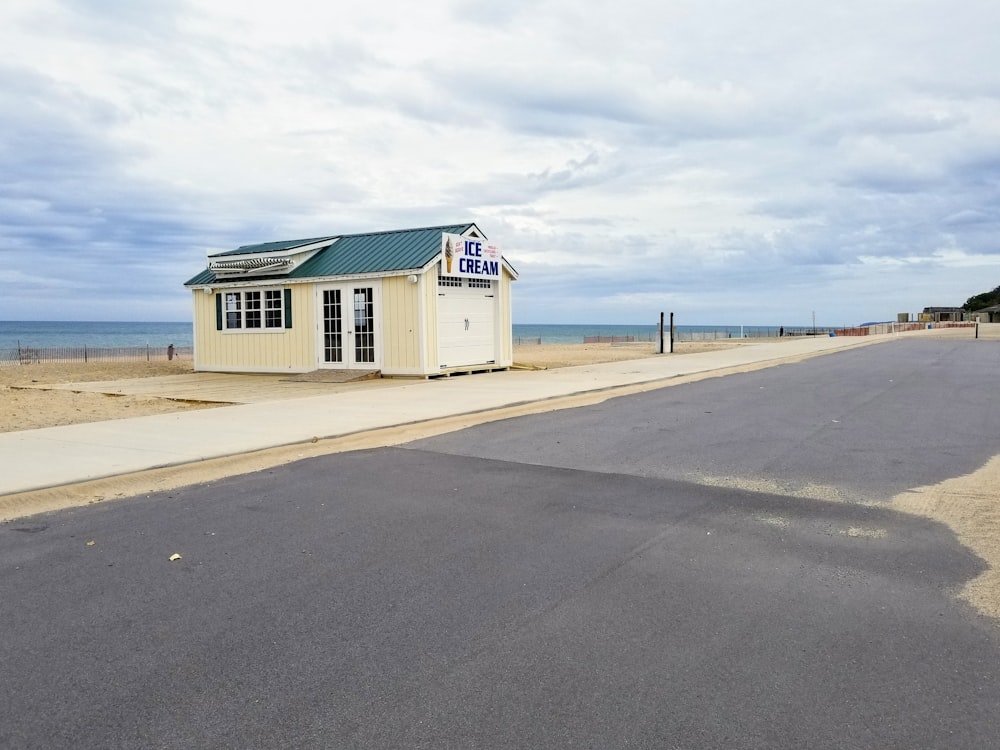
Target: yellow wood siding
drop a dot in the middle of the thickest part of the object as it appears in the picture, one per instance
(401, 326)
(429, 284)
(283, 350)
(505, 315)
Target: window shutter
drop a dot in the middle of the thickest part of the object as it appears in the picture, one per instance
(288, 308)
(218, 311)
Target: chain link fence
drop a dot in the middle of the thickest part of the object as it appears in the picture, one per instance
(26, 355)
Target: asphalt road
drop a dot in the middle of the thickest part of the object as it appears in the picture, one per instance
(869, 423)
(561, 581)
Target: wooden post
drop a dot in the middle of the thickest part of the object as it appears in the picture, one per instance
(661, 332)
(671, 333)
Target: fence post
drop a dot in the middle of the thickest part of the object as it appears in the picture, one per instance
(661, 332)
(671, 333)
(147, 352)
(84, 353)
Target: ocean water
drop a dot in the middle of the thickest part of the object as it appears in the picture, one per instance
(96, 334)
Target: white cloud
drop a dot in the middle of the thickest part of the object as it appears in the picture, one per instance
(725, 160)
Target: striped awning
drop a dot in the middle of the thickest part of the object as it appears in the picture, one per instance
(250, 265)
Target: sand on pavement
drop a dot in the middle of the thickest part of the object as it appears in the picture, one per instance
(969, 505)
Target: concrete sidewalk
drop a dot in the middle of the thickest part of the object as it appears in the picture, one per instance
(56, 456)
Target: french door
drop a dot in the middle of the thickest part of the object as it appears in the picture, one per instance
(349, 326)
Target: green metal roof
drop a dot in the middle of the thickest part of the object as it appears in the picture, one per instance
(374, 252)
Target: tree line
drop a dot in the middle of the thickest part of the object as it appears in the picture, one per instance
(986, 299)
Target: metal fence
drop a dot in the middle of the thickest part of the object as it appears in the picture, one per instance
(877, 329)
(750, 332)
(614, 339)
(730, 332)
(26, 355)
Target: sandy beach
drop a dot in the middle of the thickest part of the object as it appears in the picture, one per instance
(23, 408)
(29, 408)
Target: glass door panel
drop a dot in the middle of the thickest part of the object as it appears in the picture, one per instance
(364, 325)
(333, 327)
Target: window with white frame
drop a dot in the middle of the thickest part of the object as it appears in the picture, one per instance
(256, 309)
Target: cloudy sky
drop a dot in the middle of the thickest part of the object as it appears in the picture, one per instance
(733, 162)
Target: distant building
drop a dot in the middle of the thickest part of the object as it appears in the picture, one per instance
(942, 314)
(986, 315)
(415, 302)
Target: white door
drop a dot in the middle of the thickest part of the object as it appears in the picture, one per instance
(467, 331)
(349, 327)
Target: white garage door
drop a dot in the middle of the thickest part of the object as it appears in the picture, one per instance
(466, 325)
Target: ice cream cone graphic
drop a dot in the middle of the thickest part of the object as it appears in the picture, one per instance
(449, 253)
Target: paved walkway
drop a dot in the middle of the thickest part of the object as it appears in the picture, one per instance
(56, 456)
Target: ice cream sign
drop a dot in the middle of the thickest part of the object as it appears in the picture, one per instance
(472, 257)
